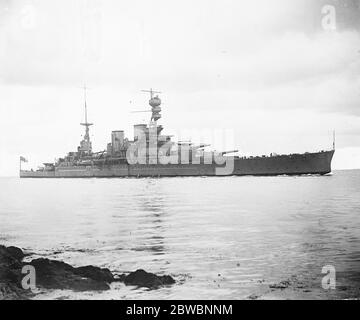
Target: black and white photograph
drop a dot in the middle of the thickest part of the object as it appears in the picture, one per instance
(166, 150)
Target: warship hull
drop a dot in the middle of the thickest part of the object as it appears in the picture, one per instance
(296, 164)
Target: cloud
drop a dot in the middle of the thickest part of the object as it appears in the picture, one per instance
(252, 43)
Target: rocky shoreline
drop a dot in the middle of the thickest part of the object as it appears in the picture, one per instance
(53, 274)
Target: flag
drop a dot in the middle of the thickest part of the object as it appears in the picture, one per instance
(22, 159)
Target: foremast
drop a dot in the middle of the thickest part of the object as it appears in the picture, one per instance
(85, 147)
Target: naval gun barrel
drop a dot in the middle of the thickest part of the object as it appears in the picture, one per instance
(227, 152)
(201, 146)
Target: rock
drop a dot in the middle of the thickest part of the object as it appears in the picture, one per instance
(142, 278)
(95, 273)
(119, 277)
(16, 253)
(52, 274)
(10, 255)
(292, 282)
(10, 264)
(281, 285)
(9, 291)
(10, 274)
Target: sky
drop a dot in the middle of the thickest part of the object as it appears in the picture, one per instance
(265, 76)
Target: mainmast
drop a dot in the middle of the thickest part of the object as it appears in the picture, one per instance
(152, 132)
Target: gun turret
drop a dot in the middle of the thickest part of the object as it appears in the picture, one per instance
(201, 146)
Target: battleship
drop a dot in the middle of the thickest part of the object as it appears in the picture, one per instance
(153, 154)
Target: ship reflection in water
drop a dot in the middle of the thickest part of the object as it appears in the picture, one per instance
(151, 203)
(221, 238)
